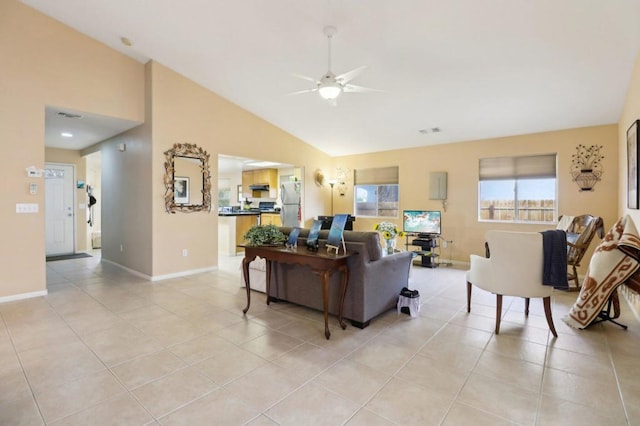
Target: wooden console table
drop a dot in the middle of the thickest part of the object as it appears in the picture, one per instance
(320, 262)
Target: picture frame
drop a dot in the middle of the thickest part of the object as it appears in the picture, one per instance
(335, 239)
(292, 241)
(181, 190)
(633, 142)
(312, 238)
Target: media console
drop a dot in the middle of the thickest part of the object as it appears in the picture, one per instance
(427, 243)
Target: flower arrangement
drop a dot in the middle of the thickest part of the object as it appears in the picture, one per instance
(389, 233)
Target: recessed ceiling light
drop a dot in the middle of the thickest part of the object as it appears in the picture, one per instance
(66, 135)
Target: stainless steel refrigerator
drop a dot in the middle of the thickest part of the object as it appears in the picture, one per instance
(290, 211)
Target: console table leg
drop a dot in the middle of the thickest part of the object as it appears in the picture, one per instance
(268, 279)
(324, 275)
(245, 273)
(344, 274)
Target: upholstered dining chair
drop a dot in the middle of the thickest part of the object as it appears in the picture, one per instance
(515, 268)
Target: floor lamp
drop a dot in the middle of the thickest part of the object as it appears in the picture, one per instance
(332, 182)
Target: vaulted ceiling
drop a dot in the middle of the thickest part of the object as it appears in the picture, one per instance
(474, 69)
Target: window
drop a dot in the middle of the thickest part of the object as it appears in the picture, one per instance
(376, 192)
(224, 193)
(518, 189)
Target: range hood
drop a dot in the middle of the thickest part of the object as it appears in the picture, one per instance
(259, 187)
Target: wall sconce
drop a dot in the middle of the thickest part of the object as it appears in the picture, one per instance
(586, 166)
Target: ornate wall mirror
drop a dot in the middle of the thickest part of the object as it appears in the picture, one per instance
(187, 179)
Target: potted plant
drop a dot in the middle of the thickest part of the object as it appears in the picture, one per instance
(261, 235)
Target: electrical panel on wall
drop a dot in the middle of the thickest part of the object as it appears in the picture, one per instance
(438, 185)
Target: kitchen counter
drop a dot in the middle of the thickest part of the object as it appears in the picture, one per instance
(239, 213)
(248, 212)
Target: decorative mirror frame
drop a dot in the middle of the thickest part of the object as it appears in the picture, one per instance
(192, 151)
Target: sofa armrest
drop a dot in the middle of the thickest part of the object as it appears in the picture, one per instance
(396, 264)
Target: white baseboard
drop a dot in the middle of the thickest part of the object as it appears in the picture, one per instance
(22, 296)
(184, 273)
(131, 271)
(163, 277)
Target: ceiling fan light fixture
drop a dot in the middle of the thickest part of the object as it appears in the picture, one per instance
(329, 91)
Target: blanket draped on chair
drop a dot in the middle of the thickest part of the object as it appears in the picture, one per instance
(554, 249)
(614, 260)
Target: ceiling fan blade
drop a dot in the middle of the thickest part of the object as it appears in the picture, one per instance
(350, 75)
(353, 88)
(303, 91)
(304, 77)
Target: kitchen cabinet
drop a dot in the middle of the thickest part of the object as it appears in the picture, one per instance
(231, 228)
(270, 219)
(259, 177)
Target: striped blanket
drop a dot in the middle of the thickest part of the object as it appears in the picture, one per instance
(615, 259)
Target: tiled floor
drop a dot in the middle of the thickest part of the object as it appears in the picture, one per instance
(105, 347)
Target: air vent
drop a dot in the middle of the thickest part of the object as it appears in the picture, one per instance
(68, 115)
(431, 130)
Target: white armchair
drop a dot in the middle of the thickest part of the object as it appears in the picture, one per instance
(514, 268)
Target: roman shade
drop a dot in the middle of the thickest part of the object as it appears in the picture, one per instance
(377, 176)
(526, 167)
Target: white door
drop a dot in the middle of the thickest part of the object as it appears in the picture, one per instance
(59, 216)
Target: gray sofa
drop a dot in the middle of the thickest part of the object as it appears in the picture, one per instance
(374, 282)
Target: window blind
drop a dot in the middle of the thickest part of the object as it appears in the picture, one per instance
(377, 176)
(526, 167)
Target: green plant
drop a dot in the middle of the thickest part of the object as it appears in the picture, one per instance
(259, 235)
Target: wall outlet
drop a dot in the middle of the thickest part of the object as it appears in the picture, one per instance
(185, 252)
(121, 247)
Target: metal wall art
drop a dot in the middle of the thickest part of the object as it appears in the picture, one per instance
(586, 166)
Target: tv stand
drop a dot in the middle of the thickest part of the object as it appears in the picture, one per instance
(427, 244)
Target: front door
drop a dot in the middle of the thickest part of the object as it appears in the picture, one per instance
(59, 212)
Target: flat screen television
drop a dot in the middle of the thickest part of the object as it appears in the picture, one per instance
(422, 221)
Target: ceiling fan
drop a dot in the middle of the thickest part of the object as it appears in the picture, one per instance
(330, 86)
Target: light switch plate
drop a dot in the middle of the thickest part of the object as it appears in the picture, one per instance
(26, 208)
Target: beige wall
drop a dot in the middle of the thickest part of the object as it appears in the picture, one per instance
(48, 64)
(126, 200)
(67, 156)
(630, 113)
(186, 112)
(459, 222)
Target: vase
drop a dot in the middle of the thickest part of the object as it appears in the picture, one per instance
(391, 245)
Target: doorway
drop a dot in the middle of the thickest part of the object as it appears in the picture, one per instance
(59, 209)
